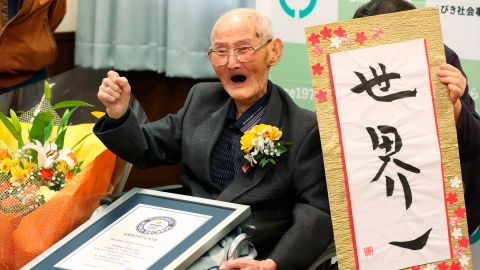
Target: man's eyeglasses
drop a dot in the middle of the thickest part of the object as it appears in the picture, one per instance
(243, 54)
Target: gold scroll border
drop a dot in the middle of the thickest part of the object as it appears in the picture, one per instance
(397, 27)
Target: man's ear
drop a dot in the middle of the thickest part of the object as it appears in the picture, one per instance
(276, 51)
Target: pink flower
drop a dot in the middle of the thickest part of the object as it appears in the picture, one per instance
(378, 33)
(318, 50)
(347, 39)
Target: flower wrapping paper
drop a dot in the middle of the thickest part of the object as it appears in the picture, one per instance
(22, 238)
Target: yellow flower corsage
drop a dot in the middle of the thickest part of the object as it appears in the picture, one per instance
(262, 144)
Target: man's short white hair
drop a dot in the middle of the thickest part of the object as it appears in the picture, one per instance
(263, 25)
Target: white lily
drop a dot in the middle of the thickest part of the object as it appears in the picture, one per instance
(64, 155)
(47, 154)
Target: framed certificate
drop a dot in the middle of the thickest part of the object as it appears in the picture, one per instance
(145, 229)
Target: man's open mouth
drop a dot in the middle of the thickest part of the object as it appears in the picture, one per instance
(238, 78)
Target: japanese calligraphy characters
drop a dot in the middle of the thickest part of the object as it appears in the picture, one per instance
(391, 152)
(387, 145)
(378, 80)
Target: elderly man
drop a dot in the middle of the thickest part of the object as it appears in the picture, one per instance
(205, 135)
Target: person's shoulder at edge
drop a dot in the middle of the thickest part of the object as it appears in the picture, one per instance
(452, 57)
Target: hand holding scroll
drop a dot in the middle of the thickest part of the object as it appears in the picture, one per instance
(456, 83)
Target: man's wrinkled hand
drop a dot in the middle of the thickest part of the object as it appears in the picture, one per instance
(114, 93)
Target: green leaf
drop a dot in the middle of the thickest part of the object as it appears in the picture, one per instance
(285, 143)
(48, 131)
(60, 138)
(282, 146)
(279, 146)
(62, 127)
(282, 150)
(263, 162)
(64, 121)
(78, 148)
(12, 129)
(15, 122)
(271, 160)
(71, 103)
(33, 153)
(77, 169)
(81, 140)
(47, 91)
(40, 122)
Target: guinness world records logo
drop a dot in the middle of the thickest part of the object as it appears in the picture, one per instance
(156, 225)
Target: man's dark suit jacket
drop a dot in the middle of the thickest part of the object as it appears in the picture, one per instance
(468, 133)
(294, 188)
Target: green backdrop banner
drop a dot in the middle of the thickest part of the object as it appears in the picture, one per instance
(289, 18)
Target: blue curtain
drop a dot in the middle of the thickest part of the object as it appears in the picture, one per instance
(160, 35)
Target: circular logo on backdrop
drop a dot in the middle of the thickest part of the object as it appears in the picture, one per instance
(156, 225)
(302, 12)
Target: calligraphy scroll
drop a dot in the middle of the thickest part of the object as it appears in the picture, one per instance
(389, 142)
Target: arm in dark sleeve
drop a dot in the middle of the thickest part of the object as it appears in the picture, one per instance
(145, 145)
(110, 123)
(468, 125)
(312, 230)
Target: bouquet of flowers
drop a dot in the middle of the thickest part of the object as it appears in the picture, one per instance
(37, 170)
(262, 144)
(51, 180)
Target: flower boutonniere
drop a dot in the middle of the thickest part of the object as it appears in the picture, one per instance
(262, 145)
